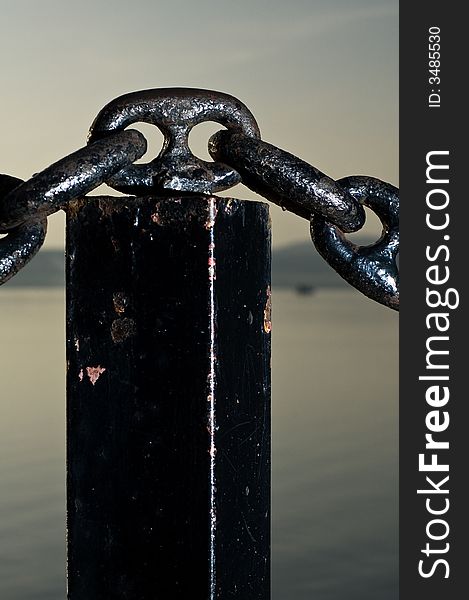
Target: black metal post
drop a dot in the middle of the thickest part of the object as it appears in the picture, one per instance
(168, 399)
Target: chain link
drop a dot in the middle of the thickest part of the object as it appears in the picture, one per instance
(332, 207)
(371, 269)
(24, 206)
(71, 177)
(286, 180)
(175, 111)
(22, 243)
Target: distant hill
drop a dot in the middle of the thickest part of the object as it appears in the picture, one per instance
(294, 266)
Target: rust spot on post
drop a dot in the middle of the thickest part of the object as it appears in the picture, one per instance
(94, 373)
(120, 301)
(268, 312)
(121, 329)
(155, 217)
(212, 268)
(109, 206)
(73, 208)
(210, 222)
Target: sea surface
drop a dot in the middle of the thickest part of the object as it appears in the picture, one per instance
(335, 446)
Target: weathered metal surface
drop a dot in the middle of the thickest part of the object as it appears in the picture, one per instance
(19, 246)
(168, 342)
(371, 269)
(333, 207)
(175, 111)
(70, 177)
(287, 180)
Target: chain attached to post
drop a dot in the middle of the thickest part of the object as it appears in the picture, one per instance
(332, 207)
(286, 180)
(175, 111)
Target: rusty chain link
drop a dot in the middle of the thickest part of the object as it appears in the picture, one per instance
(332, 207)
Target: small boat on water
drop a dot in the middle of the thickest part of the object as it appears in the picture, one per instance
(305, 289)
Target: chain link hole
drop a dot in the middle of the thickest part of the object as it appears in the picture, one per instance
(199, 136)
(155, 141)
(370, 232)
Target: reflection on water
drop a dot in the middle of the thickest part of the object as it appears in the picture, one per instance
(334, 447)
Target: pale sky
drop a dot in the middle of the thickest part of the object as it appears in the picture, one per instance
(320, 76)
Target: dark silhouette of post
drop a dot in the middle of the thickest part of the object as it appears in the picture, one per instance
(168, 399)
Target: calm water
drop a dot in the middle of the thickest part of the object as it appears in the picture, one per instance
(335, 443)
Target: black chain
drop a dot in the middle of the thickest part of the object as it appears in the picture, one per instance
(371, 269)
(286, 180)
(71, 177)
(175, 111)
(333, 207)
(22, 242)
